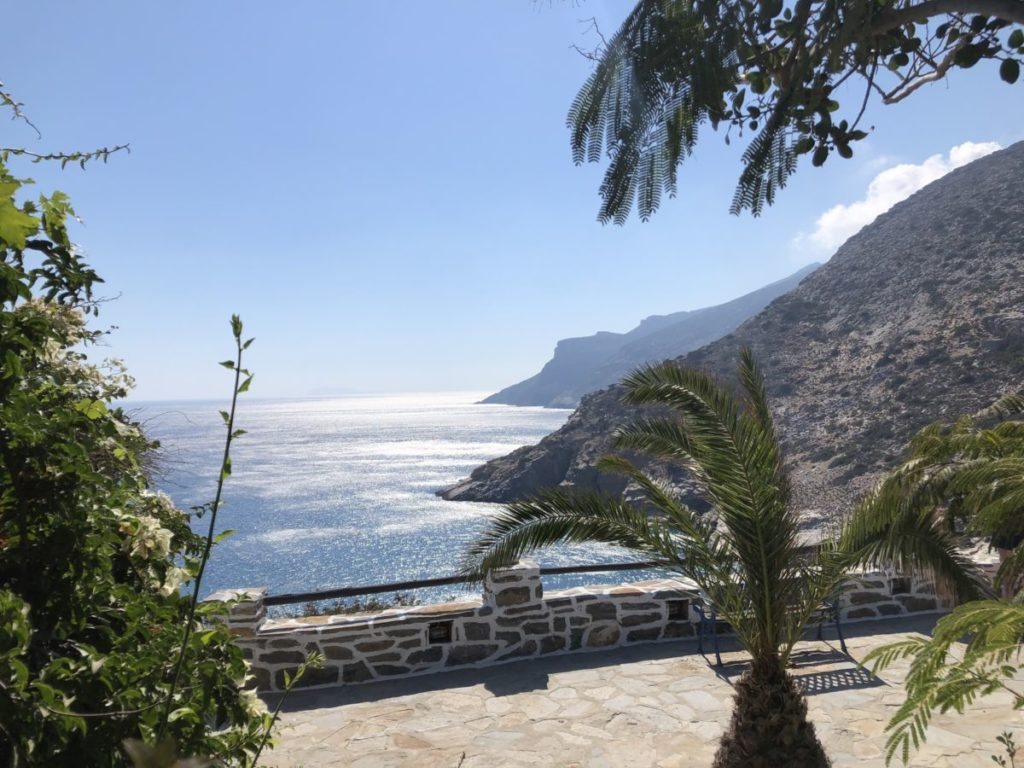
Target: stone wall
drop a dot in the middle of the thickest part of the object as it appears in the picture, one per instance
(512, 620)
(878, 595)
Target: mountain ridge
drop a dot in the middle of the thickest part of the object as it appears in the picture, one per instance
(584, 364)
(918, 317)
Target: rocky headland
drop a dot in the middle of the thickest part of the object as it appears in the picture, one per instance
(918, 317)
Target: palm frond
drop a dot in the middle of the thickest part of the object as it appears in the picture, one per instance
(892, 527)
(662, 74)
(660, 437)
(1011, 404)
(938, 681)
(731, 448)
(727, 446)
(656, 493)
(993, 490)
(813, 580)
(1011, 572)
(705, 556)
(955, 472)
(752, 380)
(565, 516)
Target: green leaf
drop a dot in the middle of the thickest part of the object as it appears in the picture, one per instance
(248, 342)
(181, 712)
(759, 82)
(92, 409)
(238, 433)
(1009, 70)
(20, 672)
(212, 609)
(244, 387)
(225, 416)
(12, 365)
(804, 146)
(820, 156)
(207, 637)
(229, 364)
(15, 225)
(1016, 39)
(236, 326)
(223, 535)
(968, 56)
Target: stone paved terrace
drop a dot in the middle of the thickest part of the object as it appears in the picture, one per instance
(640, 706)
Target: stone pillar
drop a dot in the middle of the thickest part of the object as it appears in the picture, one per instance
(246, 612)
(516, 586)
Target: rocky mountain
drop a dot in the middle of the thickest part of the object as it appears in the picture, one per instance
(918, 317)
(589, 363)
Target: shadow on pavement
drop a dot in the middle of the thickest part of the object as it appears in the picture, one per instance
(832, 680)
(532, 674)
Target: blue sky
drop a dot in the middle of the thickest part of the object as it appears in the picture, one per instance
(384, 191)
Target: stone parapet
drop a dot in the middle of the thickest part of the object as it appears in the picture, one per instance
(513, 619)
(245, 610)
(881, 595)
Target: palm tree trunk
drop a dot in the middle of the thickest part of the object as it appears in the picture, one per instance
(769, 726)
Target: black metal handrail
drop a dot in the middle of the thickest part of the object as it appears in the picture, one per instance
(446, 581)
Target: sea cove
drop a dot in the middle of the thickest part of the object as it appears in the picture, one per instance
(340, 491)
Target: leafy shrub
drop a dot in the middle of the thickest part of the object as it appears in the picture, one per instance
(92, 619)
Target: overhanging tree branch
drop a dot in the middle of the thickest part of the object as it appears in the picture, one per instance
(906, 88)
(1009, 10)
(774, 69)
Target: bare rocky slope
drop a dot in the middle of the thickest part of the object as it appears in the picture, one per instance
(589, 363)
(918, 317)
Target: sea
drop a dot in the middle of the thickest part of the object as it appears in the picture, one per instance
(341, 492)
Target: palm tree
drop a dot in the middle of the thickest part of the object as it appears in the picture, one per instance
(746, 556)
(966, 475)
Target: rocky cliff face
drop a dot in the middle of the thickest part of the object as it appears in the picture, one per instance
(918, 317)
(589, 363)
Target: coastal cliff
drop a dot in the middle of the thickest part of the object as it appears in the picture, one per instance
(589, 363)
(918, 317)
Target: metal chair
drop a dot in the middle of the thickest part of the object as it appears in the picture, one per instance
(708, 623)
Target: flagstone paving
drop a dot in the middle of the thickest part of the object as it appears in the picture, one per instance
(643, 706)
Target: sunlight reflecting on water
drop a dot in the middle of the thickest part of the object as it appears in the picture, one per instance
(341, 491)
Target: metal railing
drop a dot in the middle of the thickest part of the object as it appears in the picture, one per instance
(446, 581)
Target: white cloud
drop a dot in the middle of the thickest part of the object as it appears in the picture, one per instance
(889, 187)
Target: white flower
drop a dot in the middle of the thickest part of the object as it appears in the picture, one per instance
(147, 537)
(253, 704)
(173, 580)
